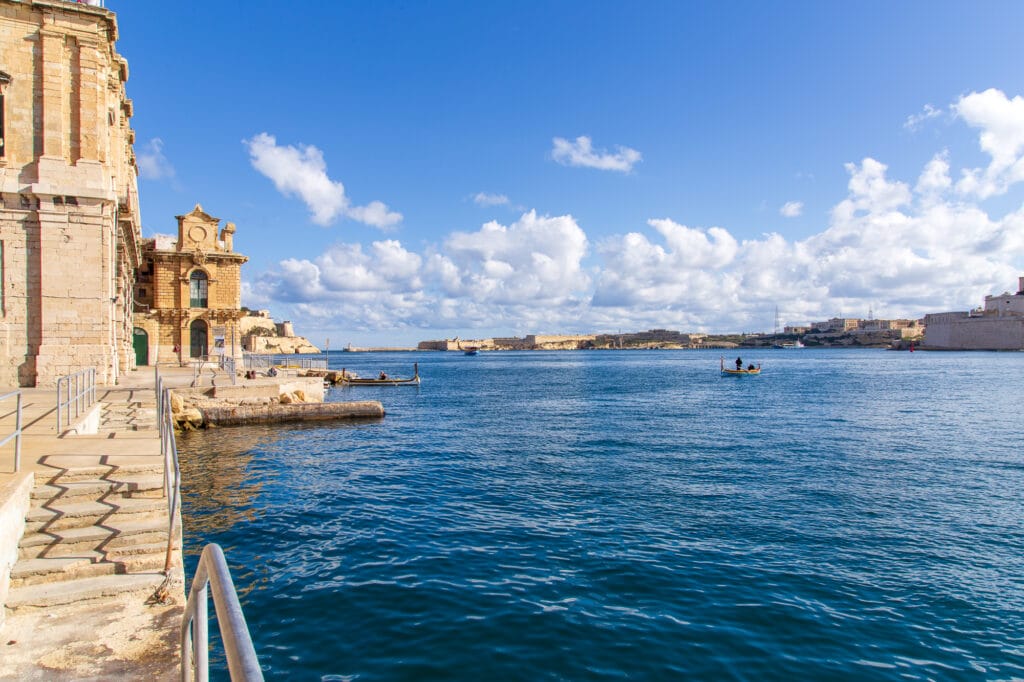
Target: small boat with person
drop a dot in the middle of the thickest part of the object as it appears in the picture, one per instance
(740, 369)
(382, 380)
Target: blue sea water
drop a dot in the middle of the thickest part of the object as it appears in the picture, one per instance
(607, 515)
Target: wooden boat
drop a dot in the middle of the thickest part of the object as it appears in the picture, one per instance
(389, 381)
(738, 372)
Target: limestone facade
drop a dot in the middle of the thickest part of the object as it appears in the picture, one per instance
(69, 216)
(188, 293)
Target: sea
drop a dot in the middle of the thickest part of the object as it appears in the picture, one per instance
(632, 515)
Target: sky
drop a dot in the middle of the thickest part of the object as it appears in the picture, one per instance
(403, 171)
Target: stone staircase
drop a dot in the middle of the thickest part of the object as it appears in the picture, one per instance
(92, 532)
(95, 529)
(127, 410)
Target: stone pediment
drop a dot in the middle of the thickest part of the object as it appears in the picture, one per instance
(198, 230)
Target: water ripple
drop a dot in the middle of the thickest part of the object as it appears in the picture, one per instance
(597, 516)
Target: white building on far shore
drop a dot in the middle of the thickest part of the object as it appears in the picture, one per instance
(997, 326)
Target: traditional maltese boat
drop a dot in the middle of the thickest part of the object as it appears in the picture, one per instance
(739, 372)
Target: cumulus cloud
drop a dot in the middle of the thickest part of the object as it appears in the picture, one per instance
(791, 209)
(1001, 121)
(486, 199)
(915, 121)
(302, 172)
(527, 270)
(153, 165)
(905, 247)
(581, 152)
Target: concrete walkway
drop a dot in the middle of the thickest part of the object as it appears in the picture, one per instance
(80, 605)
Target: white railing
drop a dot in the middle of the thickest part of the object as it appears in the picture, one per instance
(16, 435)
(75, 391)
(212, 572)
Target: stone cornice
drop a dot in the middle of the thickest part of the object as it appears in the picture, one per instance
(165, 256)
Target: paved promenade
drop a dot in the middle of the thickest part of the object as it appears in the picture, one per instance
(86, 612)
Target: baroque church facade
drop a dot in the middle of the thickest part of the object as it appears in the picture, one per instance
(188, 293)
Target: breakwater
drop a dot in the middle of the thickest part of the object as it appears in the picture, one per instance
(238, 415)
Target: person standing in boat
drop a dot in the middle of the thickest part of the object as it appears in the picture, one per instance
(739, 363)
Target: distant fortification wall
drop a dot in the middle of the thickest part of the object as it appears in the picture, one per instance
(957, 331)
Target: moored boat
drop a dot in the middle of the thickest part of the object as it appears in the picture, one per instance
(383, 380)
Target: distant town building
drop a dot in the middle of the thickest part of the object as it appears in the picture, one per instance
(188, 293)
(999, 325)
(836, 324)
(69, 213)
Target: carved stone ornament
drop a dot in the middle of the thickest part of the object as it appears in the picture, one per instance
(199, 258)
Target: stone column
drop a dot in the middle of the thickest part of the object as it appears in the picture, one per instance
(54, 82)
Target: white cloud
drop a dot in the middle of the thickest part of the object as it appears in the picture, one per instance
(915, 121)
(524, 270)
(791, 209)
(1001, 121)
(153, 165)
(905, 248)
(580, 152)
(302, 172)
(486, 199)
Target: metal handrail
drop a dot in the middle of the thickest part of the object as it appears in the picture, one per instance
(172, 467)
(212, 571)
(17, 430)
(225, 363)
(259, 361)
(83, 397)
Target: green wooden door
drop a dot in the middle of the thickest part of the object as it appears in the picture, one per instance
(140, 339)
(199, 347)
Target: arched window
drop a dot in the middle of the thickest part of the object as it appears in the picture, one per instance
(198, 290)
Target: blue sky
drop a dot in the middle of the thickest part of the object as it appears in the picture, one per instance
(405, 171)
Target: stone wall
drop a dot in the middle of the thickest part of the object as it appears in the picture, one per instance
(974, 333)
(14, 504)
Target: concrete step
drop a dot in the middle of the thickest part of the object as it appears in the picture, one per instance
(110, 513)
(100, 471)
(139, 485)
(84, 590)
(72, 540)
(85, 565)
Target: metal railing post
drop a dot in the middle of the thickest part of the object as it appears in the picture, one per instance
(59, 404)
(213, 578)
(17, 439)
(16, 435)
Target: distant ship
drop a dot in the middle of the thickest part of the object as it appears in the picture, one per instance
(789, 345)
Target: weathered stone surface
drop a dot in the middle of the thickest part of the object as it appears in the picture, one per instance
(237, 415)
(69, 211)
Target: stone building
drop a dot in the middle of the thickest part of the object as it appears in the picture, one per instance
(999, 325)
(69, 216)
(188, 293)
